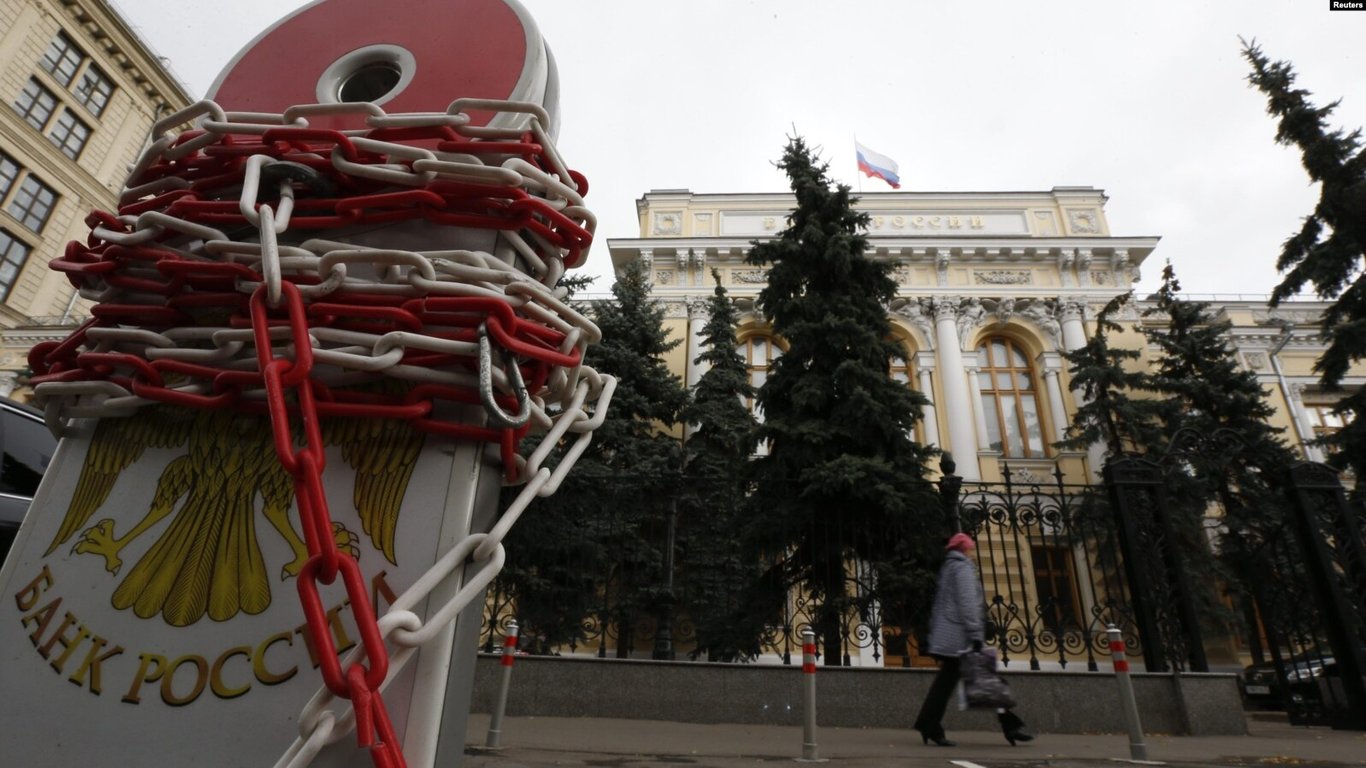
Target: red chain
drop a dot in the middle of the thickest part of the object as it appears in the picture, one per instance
(326, 560)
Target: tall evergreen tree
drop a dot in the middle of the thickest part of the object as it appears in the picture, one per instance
(1329, 251)
(1215, 397)
(843, 477)
(716, 573)
(609, 513)
(1114, 411)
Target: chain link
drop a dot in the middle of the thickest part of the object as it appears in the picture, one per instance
(214, 287)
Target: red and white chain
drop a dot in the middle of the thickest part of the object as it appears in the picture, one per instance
(207, 297)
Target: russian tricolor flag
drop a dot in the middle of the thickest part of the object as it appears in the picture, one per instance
(877, 166)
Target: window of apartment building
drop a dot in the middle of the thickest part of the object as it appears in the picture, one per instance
(13, 253)
(94, 90)
(1009, 402)
(32, 202)
(68, 64)
(1055, 586)
(62, 59)
(36, 104)
(9, 173)
(69, 134)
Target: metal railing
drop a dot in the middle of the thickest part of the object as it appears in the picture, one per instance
(1048, 555)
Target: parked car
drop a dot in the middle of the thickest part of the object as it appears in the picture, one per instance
(27, 447)
(1262, 686)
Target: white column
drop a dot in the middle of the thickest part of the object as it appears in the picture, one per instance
(1051, 366)
(697, 322)
(1301, 417)
(1074, 337)
(924, 366)
(979, 419)
(957, 406)
(1073, 331)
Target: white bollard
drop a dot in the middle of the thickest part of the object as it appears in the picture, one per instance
(495, 737)
(809, 754)
(1137, 749)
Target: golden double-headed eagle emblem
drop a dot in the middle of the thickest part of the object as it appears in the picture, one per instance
(207, 560)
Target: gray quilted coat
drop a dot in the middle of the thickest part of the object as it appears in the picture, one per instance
(956, 617)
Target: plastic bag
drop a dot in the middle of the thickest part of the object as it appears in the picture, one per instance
(983, 687)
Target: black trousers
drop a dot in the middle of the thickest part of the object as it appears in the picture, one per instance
(930, 721)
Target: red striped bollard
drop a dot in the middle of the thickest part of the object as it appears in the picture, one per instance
(1137, 749)
(496, 719)
(809, 676)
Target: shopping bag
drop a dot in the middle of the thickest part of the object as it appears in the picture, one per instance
(983, 687)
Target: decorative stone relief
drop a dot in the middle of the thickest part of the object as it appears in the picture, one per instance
(918, 312)
(1044, 315)
(1255, 360)
(1004, 309)
(902, 275)
(664, 277)
(1084, 266)
(676, 309)
(1071, 309)
(1025, 477)
(941, 266)
(1004, 277)
(1083, 222)
(1119, 262)
(1100, 277)
(1065, 259)
(668, 223)
(970, 315)
(749, 275)
(945, 307)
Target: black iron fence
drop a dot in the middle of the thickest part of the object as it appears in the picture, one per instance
(1049, 554)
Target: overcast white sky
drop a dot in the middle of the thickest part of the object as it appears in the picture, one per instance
(1145, 100)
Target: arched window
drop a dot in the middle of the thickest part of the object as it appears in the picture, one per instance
(760, 351)
(903, 370)
(1009, 402)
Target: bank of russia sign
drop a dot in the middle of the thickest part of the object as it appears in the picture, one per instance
(907, 223)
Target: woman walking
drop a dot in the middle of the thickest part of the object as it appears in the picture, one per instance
(957, 625)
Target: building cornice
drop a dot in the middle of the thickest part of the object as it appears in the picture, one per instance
(102, 24)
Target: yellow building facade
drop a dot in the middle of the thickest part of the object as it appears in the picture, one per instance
(80, 93)
(993, 288)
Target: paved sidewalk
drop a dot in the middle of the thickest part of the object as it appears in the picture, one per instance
(538, 742)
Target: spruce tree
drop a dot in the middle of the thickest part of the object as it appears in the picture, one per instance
(715, 572)
(1235, 450)
(1329, 251)
(1114, 410)
(595, 547)
(843, 478)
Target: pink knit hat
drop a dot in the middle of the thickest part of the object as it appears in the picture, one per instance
(960, 542)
